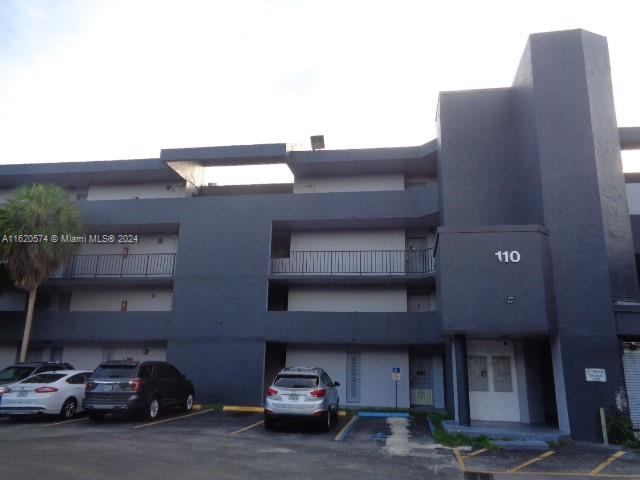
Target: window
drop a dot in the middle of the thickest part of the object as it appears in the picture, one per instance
(296, 381)
(167, 371)
(146, 371)
(326, 380)
(78, 379)
(478, 374)
(44, 378)
(501, 367)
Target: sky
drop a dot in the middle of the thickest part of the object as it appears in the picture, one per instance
(116, 79)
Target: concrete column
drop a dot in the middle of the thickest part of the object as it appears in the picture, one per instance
(461, 379)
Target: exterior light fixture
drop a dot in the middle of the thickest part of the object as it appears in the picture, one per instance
(317, 142)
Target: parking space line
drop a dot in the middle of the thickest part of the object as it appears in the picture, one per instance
(64, 421)
(247, 428)
(606, 463)
(477, 452)
(460, 460)
(346, 430)
(532, 461)
(144, 425)
(554, 474)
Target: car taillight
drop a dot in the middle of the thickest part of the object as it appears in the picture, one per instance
(134, 385)
(90, 386)
(45, 390)
(318, 393)
(271, 392)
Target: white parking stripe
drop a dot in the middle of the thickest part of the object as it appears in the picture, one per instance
(144, 425)
(247, 428)
(65, 421)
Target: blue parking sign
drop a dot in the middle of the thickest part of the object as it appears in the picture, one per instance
(396, 370)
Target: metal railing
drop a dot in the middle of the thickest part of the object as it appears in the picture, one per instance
(358, 262)
(117, 265)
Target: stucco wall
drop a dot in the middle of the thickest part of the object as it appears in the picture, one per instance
(348, 240)
(89, 356)
(347, 299)
(147, 243)
(349, 183)
(377, 388)
(7, 355)
(110, 299)
(136, 190)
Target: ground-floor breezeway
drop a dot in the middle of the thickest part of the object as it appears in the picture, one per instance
(366, 372)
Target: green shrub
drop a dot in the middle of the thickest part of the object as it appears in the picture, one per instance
(441, 436)
(620, 429)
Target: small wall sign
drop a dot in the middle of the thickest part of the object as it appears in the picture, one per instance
(395, 374)
(595, 374)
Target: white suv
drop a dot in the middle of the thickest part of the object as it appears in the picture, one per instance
(299, 392)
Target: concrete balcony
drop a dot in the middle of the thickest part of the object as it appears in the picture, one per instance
(354, 263)
(157, 267)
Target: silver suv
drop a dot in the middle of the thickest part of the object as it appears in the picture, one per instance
(299, 392)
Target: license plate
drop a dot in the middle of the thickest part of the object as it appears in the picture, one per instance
(293, 396)
(107, 388)
(23, 394)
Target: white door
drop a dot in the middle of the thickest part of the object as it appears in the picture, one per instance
(493, 389)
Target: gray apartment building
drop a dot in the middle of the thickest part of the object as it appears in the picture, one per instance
(494, 266)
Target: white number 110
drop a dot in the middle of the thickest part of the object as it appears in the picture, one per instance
(508, 256)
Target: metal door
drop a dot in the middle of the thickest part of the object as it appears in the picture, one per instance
(416, 255)
(421, 380)
(631, 363)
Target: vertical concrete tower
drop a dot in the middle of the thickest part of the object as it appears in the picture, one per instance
(536, 169)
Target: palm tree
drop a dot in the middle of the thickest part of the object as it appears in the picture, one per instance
(32, 224)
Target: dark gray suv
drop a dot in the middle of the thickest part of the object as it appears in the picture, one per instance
(143, 388)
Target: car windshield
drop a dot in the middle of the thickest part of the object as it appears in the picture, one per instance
(44, 378)
(296, 381)
(115, 371)
(13, 374)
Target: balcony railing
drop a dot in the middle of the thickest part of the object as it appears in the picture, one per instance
(359, 262)
(153, 265)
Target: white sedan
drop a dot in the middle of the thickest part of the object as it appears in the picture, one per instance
(53, 393)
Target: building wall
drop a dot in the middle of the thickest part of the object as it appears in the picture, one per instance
(7, 355)
(347, 299)
(136, 190)
(633, 198)
(349, 183)
(348, 240)
(110, 299)
(12, 300)
(147, 243)
(377, 388)
(422, 302)
(89, 356)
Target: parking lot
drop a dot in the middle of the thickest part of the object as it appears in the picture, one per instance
(211, 444)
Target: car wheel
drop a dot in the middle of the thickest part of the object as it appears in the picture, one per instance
(69, 408)
(326, 420)
(153, 409)
(187, 405)
(95, 416)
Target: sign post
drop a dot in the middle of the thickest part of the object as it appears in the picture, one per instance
(395, 376)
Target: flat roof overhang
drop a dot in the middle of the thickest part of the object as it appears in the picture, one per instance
(80, 174)
(420, 160)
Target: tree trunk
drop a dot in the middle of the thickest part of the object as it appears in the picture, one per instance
(27, 324)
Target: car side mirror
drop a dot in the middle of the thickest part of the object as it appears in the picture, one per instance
(336, 384)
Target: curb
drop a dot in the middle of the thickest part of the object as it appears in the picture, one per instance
(240, 409)
(384, 414)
